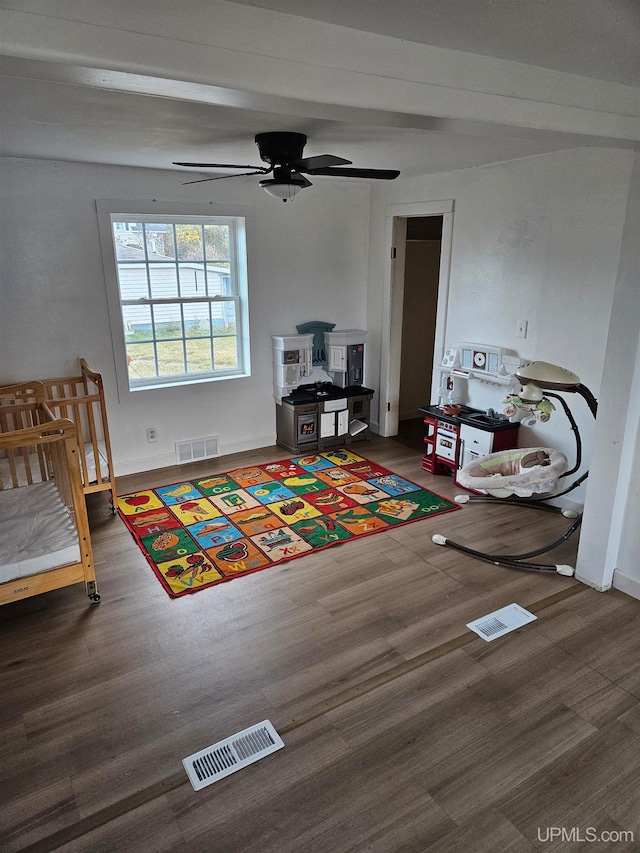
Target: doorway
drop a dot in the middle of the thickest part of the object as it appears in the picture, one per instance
(423, 242)
(418, 283)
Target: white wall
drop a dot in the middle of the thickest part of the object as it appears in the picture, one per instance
(307, 261)
(610, 540)
(536, 239)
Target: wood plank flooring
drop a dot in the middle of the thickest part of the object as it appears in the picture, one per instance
(403, 730)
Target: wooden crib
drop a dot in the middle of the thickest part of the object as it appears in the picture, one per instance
(45, 541)
(81, 399)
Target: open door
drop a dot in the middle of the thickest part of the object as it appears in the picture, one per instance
(407, 365)
(419, 310)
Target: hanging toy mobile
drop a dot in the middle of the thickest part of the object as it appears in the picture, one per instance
(528, 413)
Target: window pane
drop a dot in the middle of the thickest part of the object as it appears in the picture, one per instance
(137, 323)
(170, 358)
(189, 242)
(128, 241)
(160, 243)
(224, 318)
(225, 352)
(192, 279)
(199, 356)
(226, 284)
(140, 361)
(196, 320)
(164, 281)
(167, 321)
(218, 279)
(217, 243)
(132, 279)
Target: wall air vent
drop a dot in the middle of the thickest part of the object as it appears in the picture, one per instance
(197, 448)
(501, 622)
(231, 754)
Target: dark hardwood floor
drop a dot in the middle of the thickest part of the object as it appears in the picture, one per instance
(403, 730)
(411, 433)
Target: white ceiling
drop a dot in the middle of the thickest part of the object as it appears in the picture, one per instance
(58, 109)
(593, 38)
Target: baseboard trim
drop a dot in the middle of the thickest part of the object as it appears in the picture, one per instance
(229, 447)
(627, 584)
(567, 503)
(150, 463)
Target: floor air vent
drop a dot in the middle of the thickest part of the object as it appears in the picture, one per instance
(197, 448)
(501, 622)
(235, 752)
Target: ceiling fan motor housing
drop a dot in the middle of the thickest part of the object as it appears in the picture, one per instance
(280, 146)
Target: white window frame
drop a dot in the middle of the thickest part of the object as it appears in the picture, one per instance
(110, 211)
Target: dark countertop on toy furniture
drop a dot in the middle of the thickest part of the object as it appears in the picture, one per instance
(320, 391)
(473, 417)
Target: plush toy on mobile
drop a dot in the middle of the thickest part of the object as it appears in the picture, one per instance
(528, 412)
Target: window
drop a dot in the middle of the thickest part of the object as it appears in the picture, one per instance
(182, 297)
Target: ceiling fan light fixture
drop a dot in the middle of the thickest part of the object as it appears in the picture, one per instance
(282, 151)
(284, 189)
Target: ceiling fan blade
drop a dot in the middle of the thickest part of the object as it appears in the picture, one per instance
(217, 166)
(222, 177)
(378, 174)
(322, 161)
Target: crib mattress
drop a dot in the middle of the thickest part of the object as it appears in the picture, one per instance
(36, 532)
(91, 475)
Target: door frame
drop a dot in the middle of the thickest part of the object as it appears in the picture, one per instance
(393, 297)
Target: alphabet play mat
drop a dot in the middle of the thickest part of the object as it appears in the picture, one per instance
(213, 529)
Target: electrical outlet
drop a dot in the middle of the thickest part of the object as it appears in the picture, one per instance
(521, 328)
(152, 435)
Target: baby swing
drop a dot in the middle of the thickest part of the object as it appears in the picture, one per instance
(528, 476)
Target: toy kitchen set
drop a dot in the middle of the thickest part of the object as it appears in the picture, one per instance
(456, 434)
(322, 414)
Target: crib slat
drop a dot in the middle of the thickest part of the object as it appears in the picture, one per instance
(80, 399)
(22, 408)
(77, 419)
(94, 441)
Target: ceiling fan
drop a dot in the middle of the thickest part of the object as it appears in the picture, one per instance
(282, 151)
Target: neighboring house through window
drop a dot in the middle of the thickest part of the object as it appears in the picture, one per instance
(181, 297)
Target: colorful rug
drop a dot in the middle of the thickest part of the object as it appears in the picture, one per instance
(213, 529)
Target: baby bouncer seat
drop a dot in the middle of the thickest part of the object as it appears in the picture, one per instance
(524, 472)
(528, 476)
